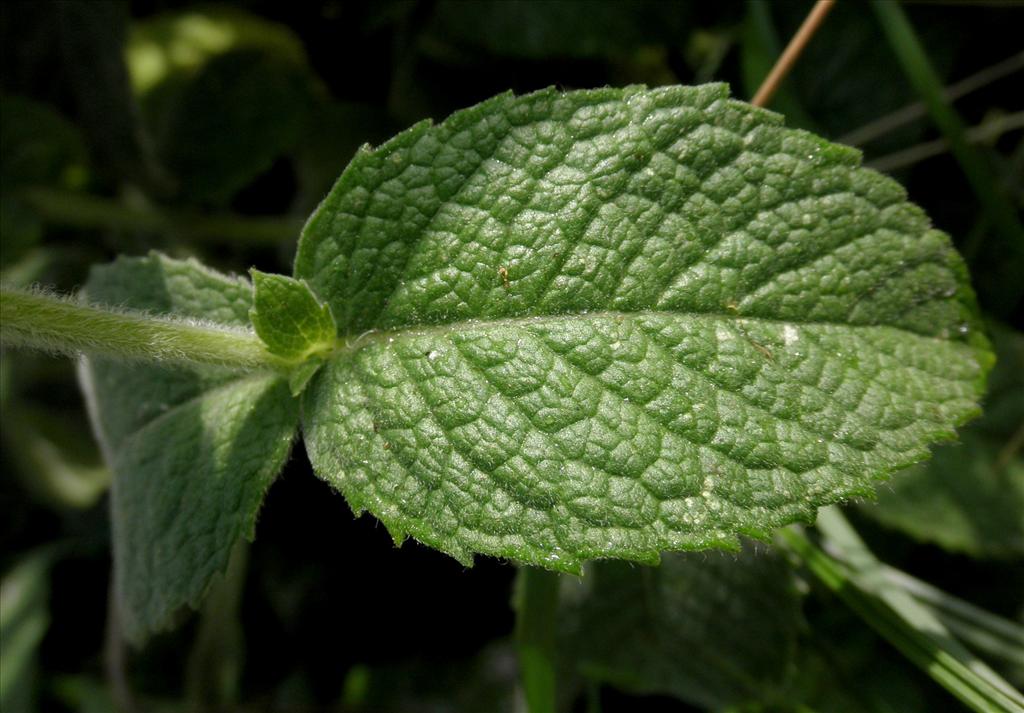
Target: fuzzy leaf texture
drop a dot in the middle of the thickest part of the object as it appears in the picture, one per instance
(639, 629)
(970, 497)
(608, 323)
(193, 450)
(288, 318)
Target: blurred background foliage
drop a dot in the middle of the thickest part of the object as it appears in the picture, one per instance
(213, 130)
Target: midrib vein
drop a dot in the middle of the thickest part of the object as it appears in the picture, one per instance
(353, 343)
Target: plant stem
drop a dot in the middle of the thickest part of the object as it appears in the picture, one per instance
(922, 76)
(536, 619)
(214, 667)
(114, 666)
(85, 211)
(56, 324)
(788, 58)
(858, 580)
(761, 49)
(986, 632)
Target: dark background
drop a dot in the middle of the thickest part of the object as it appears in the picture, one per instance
(326, 592)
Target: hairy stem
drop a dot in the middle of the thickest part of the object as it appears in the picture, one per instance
(536, 619)
(43, 321)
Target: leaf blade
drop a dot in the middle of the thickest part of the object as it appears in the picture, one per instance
(288, 318)
(193, 450)
(636, 628)
(163, 508)
(537, 294)
(969, 497)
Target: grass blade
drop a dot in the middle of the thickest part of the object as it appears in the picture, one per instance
(856, 577)
(987, 633)
(536, 616)
(918, 68)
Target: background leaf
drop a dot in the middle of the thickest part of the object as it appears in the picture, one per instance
(218, 130)
(558, 27)
(38, 147)
(193, 451)
(173, 45)
(712, 629)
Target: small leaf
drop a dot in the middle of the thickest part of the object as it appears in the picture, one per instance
(300, 376)
(193, 450)
(614, 322)
(288, 317)
(713, 629)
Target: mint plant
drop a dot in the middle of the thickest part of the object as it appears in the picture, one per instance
(566, 326)
(575, 331)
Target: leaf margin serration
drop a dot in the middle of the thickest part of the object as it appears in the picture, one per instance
(400, 528)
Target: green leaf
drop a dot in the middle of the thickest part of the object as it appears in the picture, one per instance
(54, 456)
(193, 450)
(301, 375)
(288, 317)
(713, 629)
(614, 322)
(219, 129)
(224, 92)
(332, 134)
(970, 496)
(176, 44)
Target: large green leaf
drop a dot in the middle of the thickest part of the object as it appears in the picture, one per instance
(714, 629)
(970, 496)
(193, 450)
(609, 323)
